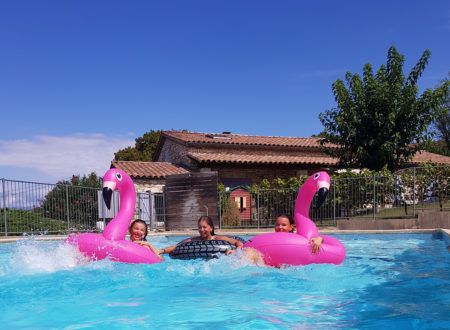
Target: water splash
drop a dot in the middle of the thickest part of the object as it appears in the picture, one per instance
(30, 256)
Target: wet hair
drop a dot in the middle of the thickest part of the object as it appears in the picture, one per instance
(139, 221)
(208, 221)
(291, 220)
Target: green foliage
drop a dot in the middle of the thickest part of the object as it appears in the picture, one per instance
(143, 149)
(437, 147)
(442, 122)
(432, 183)
(23, 221)
(279, 184)
(230, 213)
(75, 200)
(380, 120)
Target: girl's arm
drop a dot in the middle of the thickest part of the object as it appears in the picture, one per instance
(168, 249)
(233, 241)
(149, 246)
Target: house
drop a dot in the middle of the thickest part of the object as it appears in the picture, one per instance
(235, 160)
(241, 160)
(148, 176)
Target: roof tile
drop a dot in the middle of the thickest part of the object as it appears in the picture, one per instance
(149, 170)
(260, 159)
(425, 157)
(238, 139)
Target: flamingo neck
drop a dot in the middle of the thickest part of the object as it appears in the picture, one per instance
(117, 228)
(302, 204)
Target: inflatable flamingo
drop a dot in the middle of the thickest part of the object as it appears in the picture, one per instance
(112, 244)
(295, 249)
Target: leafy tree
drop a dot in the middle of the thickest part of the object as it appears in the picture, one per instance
(442, 122)
(143, 150)
(380, 120)
(75, 200)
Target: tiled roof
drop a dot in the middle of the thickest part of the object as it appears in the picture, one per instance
(249, 158)
(260, 159)
(250, 140)
(148, 170)
(425, 156)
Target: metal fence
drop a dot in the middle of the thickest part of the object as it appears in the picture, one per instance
(39, 208)
(28, 207)
(398, 195)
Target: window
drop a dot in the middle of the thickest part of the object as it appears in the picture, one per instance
(241, 202)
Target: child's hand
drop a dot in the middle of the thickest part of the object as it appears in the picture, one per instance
(316, 242)
(228, 252)
(143, 243)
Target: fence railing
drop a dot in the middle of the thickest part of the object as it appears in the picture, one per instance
(38, 208)
(399, 195)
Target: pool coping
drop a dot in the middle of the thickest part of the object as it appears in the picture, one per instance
(445, 233)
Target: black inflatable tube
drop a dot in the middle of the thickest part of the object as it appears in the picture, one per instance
(203, 249)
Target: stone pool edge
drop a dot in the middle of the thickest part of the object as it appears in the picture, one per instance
(445, 234)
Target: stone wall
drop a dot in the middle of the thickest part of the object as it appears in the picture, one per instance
(425, 220)
(256, 175)
(434, 219)
(146, 185)
(175, 153)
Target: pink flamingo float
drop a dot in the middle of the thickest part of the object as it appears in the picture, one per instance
(112, 244)
(295, 249)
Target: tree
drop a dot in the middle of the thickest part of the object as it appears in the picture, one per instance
(74, 199)
(442, 122)
(380, 120)
(143, 150)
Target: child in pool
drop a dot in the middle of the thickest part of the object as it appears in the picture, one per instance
(283, 224)
(138, 232)
(206, 232)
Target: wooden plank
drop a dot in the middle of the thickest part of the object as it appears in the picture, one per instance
(186, 195)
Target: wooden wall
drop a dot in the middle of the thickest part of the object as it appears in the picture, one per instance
(189, 196)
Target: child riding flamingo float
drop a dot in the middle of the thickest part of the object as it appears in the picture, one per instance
(112, 244)
(280, 248)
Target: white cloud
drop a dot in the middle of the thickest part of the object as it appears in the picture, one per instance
(59, 157)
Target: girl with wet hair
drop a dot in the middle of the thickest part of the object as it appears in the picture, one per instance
(138, 233)
(205, 227)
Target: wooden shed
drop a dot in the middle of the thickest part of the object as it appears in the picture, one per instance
(243, 198)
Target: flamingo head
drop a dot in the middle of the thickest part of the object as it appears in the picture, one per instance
(115, 179)
(320, 182)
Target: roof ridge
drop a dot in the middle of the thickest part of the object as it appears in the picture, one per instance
(246, 135)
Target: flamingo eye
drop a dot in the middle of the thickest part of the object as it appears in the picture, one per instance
(316, 176)
(119, 176)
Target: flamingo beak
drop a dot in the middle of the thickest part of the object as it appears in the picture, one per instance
(323, 192)
(107, 192)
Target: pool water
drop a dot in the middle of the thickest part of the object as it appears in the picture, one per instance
(387, 281)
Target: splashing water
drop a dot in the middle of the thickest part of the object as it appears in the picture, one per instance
(30, 256)
(387, 281)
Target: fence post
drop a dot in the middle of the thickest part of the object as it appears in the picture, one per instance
(374, 198)
(4, 207)
(414, 192)
(334, 203)
(151, 205)
(67, 207)
(257, 207)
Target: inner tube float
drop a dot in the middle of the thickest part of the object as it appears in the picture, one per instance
(280, 249)
(195, 249)
(111, 243)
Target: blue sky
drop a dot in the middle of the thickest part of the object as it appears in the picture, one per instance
(81, 79)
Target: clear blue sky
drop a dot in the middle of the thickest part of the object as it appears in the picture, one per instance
(81, 79)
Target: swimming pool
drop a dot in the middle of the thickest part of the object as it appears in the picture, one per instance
(387, 281)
